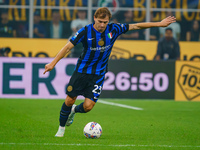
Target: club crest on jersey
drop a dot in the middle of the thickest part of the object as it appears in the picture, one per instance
(101, 42)
(110, 35)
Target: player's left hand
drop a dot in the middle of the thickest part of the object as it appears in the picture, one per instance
(167, 21)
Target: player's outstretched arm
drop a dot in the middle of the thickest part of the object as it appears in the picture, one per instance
(164, 23)
(60, 55)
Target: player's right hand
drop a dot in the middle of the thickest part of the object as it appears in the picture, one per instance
(48, 67)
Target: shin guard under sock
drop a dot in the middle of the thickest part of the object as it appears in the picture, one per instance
(64, 113)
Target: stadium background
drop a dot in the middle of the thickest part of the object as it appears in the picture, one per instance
(138, 52)
(142, 105)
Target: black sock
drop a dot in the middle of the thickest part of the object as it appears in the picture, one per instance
(79, 108)
(64, 113)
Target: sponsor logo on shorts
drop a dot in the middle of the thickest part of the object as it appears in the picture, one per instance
(69, 88)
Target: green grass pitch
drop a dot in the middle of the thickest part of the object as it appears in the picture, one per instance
(27, 124)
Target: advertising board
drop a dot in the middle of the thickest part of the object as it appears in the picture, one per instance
(23, 78)
(187, 82)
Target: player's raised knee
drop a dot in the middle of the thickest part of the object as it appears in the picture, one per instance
(88, 107)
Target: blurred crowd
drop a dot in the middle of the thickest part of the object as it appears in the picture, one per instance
(168, 38)
(42, 29)
(56, 28)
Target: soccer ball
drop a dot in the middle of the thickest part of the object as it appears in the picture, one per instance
(92, 130)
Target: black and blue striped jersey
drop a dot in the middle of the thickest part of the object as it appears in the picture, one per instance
(97, 47)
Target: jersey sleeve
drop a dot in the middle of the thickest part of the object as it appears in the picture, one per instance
(78, 37)
(121, 28)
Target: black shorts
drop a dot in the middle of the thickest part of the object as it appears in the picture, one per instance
(88, 85)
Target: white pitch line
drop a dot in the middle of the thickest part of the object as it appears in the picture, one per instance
(120, 105)
(79, 144)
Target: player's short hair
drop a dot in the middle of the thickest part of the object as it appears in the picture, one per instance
(102, 13)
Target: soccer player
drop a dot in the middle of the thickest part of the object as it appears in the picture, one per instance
(88, 77)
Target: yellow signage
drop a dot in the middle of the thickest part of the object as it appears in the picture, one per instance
(125, 49)
(146, 50)
(187, 81)
(25, 47)
(68, 14)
